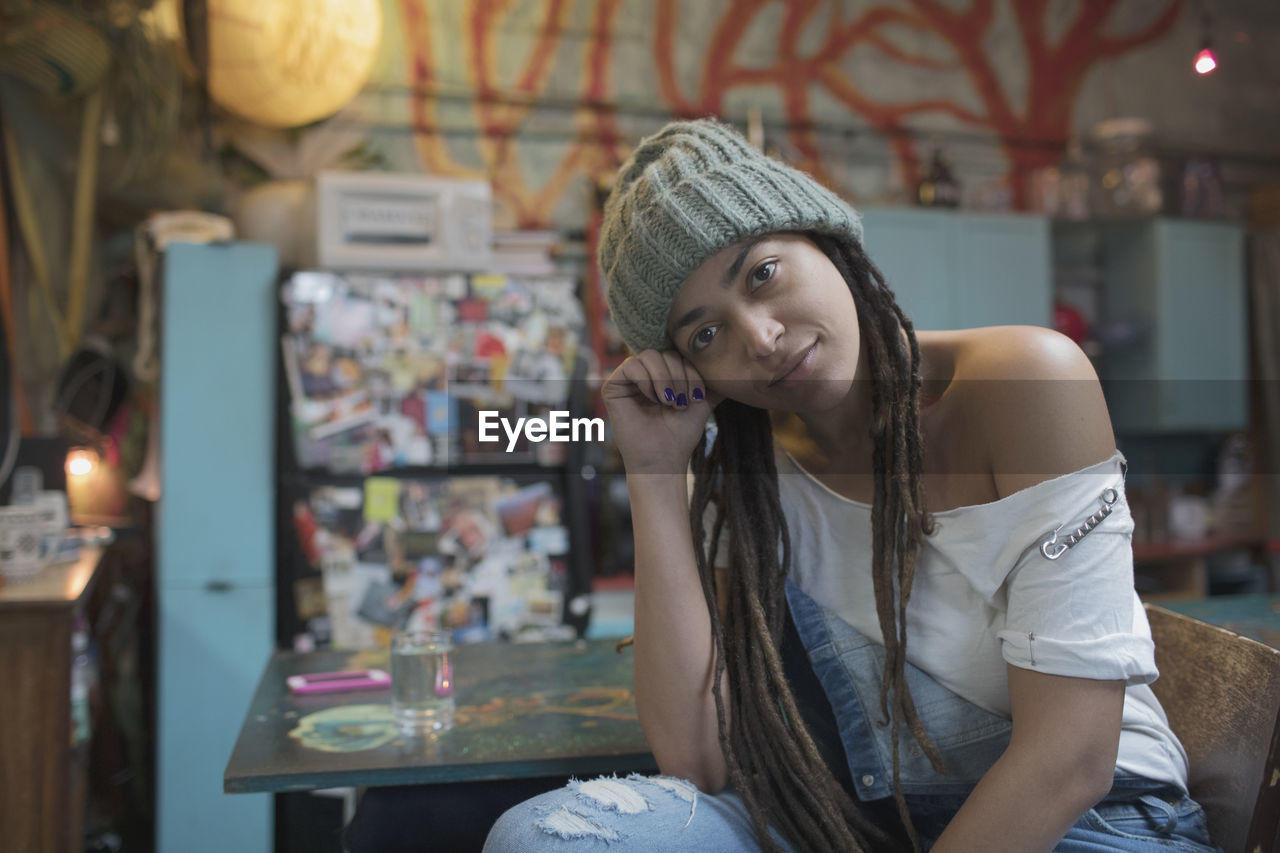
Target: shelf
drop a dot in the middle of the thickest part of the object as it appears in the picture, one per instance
(61, 585)
(1178, 570)
(1156, 552)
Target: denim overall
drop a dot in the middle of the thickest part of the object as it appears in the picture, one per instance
(839, 698)
(835, 674)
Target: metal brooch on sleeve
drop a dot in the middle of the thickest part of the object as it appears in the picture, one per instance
(1052, 549)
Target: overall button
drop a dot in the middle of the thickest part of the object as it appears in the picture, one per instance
(868, 780)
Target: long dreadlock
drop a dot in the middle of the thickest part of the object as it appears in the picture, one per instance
(771, 760)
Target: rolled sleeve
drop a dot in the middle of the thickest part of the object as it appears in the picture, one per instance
(1078, 615)
(1119, 657)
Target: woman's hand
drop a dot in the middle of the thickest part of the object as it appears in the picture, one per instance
(655, 433)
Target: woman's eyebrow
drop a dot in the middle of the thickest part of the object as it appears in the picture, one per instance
(688, 318)
(726, 281)
(734, 268)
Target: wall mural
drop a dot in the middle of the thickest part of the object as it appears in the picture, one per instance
(545, 97)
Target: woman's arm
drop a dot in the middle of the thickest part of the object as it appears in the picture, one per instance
(674, 664)
(673, 649)
(1042, 409)
(1060, 761)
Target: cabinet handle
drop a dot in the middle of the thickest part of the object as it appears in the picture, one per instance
(218, 586)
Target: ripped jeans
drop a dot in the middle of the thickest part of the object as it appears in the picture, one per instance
(637, 813)
(834, 672)
(653, 813)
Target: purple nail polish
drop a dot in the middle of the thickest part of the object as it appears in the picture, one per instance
(697, 394)
(671, 395)
(682, 400)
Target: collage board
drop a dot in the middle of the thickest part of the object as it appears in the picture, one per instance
(398, 516)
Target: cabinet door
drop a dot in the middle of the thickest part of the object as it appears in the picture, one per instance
(1130, 293)
(912, 248)
(960, 270)
(1202, 327)
(216, 414)
(213, 647)
(1000, 271)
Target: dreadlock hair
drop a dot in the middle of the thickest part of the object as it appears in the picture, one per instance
(771, 759)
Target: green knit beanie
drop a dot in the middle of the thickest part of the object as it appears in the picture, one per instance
(687, 192)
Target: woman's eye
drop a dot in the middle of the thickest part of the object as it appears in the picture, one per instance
(762, 273)
(702, 337)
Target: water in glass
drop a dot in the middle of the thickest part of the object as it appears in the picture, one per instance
(422, 682)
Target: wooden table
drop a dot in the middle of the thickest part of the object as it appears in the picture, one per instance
(523, 711)
(42, 778)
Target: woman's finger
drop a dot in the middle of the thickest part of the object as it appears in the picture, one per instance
(698, 389)
(645, 373)
(665, 377)
(676, 393)
(658, 368)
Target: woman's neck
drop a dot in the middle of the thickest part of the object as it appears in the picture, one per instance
(840, 440)
(836, 438)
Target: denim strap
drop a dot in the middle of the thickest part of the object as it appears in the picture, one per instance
(1170, 816)
(849, 666)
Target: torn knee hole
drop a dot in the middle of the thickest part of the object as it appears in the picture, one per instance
(615, 794)
(569, 824)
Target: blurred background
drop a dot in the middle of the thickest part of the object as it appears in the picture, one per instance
(263, 264)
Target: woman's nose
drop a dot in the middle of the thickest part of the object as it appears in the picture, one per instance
(761, 331)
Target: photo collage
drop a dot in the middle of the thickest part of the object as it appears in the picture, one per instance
(388, 371)
(397, 515)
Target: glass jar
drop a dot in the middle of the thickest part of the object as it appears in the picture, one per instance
(1125, 169)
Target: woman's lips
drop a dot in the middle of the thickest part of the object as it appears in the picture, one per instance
(801, 370)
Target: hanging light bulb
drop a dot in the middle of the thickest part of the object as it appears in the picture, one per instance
(1205, 60)
(81, 461)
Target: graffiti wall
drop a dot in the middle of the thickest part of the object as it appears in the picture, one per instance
(546, 96)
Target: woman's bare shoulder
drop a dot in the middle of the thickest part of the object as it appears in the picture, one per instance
(1009, 352)
(1032, 396)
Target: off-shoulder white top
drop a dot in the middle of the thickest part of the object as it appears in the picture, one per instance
(985, 595)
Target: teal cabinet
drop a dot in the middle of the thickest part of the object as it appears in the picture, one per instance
(213, 646)
(1183, 282)
(953, 270)
(1001, 271)
(912, 249)
(215, 562)
(217, 409)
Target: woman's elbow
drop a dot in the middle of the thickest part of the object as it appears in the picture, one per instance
(1091, 771)
(1078, 773)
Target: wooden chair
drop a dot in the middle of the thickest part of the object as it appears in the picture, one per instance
(1222, 694)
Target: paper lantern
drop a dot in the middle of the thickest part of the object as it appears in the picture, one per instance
(285, 63)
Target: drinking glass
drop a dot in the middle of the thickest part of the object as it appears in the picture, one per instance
(422, 682)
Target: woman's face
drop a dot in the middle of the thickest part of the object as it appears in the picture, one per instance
(769, 322)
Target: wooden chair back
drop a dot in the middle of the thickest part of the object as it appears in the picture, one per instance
(1222, 694)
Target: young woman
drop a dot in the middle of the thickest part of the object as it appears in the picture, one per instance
(896, 609)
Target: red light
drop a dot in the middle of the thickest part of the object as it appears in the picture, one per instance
(1205, 61)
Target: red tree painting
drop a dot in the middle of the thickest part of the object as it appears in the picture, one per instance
(1031, 134)
(593, 146)
(1058, 55)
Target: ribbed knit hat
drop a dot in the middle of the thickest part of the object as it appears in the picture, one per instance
(687, 192)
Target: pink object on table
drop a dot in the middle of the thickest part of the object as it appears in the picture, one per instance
(339, 682)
